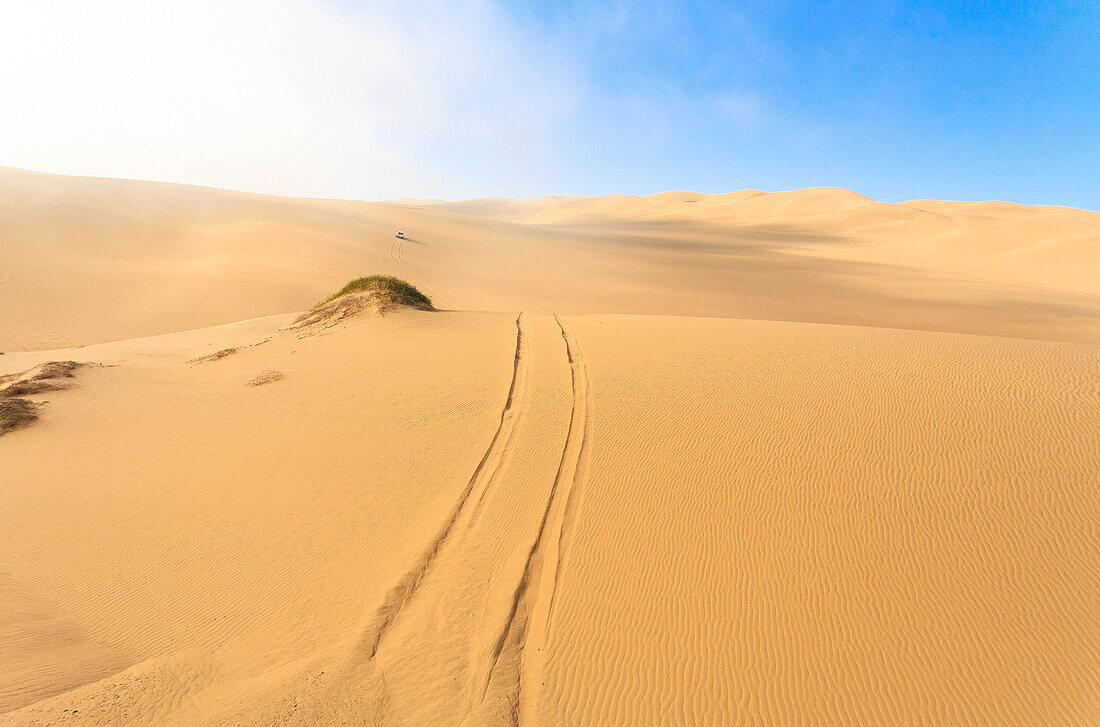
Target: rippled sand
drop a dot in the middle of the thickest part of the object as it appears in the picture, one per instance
(788, 459)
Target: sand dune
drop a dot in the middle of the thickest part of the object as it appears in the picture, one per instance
(788, 459)
(93, 260)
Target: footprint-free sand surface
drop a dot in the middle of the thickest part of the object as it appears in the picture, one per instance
(799, 458)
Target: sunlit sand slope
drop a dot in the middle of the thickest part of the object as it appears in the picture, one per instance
(461, 518)
(798, 524)
(87, 260)
(177, 541)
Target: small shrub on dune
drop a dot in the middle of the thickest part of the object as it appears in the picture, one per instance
(401, 291)
(372, 295)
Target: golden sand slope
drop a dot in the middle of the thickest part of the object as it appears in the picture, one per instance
(600, 520)
(88, 260)
(804, 524)
(481, 518)
(216, 532)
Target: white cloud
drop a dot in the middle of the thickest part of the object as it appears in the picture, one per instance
(287, 96)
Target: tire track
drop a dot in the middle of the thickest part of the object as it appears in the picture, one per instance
(399, 596)
(510, 420)
(398, 258)
(574, 501)
(529, 615)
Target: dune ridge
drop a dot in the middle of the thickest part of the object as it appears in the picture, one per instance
(92, 260)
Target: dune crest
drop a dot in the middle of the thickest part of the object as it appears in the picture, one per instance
(188, 257)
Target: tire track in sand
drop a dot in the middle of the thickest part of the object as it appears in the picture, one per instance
(398, 258)
(528, 621)
(574, 500)
(398, 596)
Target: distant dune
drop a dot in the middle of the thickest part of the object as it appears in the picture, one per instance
(799, 458)
(87, 260)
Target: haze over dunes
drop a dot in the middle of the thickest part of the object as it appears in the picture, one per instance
(90, 260)
(794, 458)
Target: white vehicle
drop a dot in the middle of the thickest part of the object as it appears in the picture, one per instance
(401, 234)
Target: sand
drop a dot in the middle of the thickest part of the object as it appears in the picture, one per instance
(93, 260)
(789, 459)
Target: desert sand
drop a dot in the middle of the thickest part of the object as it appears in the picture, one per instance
(796, 458)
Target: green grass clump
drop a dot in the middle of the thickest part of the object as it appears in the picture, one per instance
(399, 289)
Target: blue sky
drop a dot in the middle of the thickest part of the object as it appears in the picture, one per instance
(425, 98)
(896, 100)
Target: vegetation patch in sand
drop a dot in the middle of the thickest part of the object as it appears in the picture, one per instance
(17, 412)
(216, 356)
(43, 377)
(372, 295)
(267, 377)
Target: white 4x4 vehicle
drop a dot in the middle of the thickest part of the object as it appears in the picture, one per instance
(401, 234)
